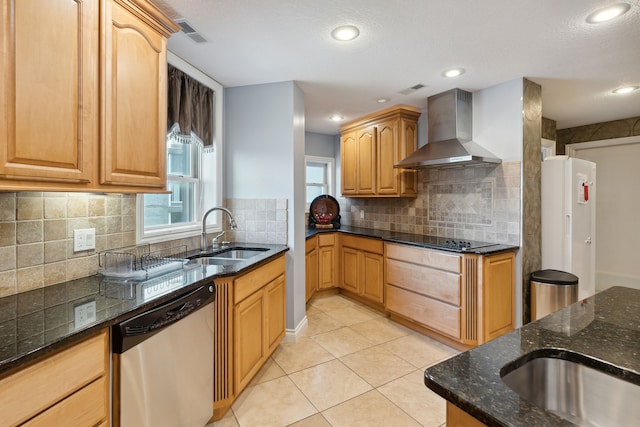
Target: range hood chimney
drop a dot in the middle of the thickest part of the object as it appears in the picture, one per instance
(449, 144)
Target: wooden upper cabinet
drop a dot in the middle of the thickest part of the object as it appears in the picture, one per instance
(358, 154)
(349, 159)
(83, 95)
(387, 143)
(49, 90)
(134, 95)
(370, 146)
(366, 148)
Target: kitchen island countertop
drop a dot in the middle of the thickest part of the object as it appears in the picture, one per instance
(602, 332)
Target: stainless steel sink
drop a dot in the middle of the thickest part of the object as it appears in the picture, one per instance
(228, 256)
(239, 253)
(576, 392)
(209, 260)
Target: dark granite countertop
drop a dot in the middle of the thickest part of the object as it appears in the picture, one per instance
(602, 332)
(41, 321)
(411, 239)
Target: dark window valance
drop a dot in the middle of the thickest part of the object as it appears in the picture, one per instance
(190, 107)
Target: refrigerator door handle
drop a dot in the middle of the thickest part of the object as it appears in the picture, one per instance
(567, 227)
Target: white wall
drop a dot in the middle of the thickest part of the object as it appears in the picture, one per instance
(617, 207)
(497, 119)
(321, 145)
(264, 158)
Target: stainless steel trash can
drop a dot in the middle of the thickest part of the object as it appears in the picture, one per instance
(552, 290)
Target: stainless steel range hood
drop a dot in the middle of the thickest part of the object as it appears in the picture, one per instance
(449, 144)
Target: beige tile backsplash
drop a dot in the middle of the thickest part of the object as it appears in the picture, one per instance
(475, 203)
(36, 233)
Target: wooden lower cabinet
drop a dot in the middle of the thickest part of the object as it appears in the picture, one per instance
(464, 299)
(456, 417)
(328, 249)
(250, 312)
(311, 267)
(497, 311)
(68, 388)
(362, 268)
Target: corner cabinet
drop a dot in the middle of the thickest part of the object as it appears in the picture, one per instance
(370, 146)
(83, 95)
(363, 269)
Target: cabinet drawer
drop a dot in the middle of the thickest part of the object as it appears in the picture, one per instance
(326, 239)
(248, 283)
(363, 243)
(41, 385)
(86, 407)
(431, 313)
(427, 257)
(424, 280)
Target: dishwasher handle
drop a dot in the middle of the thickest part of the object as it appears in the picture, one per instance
(139, 328)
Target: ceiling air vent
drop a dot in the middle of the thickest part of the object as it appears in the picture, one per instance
(412, 89)
(190, 31)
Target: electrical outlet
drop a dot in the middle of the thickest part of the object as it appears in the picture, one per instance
(84, 239)
(84, 314)
(361, 213)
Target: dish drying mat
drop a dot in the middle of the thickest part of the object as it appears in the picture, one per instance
(140, 262)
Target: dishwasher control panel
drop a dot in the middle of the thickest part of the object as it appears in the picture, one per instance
(143, 326)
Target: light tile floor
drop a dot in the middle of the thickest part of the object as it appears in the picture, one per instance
(350, 367)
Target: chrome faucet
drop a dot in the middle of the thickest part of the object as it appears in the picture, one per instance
(203, 236)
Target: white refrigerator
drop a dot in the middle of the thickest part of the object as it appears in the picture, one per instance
(569, 219)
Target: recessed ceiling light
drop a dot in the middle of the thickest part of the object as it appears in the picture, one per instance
(608, 13)
(454, 72)
(625, 89)
(336, 117)
(382, 100)
(345, 33)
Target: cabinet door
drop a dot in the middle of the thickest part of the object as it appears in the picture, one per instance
(387, 180)
(134, 96)
(372, 277)
(311, 272)
(350, 270)
(48, 87)
(366, 169)
(275, 301)
(250, 338)
(498, 295)
(349, 163)
(327, 267)
(408, 144)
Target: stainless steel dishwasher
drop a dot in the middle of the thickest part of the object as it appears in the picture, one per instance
(163, 364)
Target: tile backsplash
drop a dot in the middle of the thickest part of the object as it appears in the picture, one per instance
(36, 233)
(475, 203)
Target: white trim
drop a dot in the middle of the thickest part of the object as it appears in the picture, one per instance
(331, 175)
(571, 149)
(292, 334)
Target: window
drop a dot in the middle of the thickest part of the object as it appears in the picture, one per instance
(194, 179)
(319, 177)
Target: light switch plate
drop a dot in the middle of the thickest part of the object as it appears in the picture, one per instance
(84, 239)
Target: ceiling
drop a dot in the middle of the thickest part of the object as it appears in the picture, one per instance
(410, 42)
